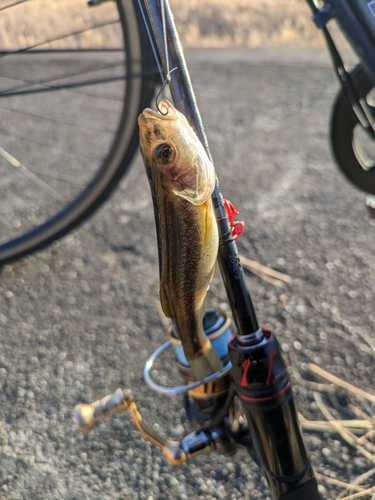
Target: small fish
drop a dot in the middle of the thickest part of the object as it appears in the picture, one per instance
(182, 179)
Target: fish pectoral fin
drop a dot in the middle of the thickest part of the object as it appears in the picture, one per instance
(206, 362)
(164, 302)
(198, 191)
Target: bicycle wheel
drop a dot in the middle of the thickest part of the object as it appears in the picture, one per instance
(73, 80)
(353, 146)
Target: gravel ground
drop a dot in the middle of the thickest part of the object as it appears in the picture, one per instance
(80, 318)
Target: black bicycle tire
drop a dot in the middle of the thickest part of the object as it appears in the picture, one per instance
(343, 123)
(142, 65)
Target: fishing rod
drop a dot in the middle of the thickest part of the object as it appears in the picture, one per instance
(250, 402)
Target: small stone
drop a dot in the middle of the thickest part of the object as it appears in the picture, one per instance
(326, 452)
(30, 395)
(322, 489)
(8, 294)
(297, 345)
(178, 430)
(21, 392)
(172, 482)
(285, 347)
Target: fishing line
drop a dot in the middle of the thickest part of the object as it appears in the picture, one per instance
(167, 78)
(166, 55)
(150, 37)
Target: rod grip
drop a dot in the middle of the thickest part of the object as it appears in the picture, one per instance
(263, 386)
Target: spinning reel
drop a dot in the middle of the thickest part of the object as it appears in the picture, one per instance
(211, 405)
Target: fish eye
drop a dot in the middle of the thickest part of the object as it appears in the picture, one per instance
(164, 152)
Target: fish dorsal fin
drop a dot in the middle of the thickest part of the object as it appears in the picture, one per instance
(199, 186)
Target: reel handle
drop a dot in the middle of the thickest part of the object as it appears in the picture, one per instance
(88, 415)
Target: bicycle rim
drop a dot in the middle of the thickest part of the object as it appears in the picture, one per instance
(70, 93)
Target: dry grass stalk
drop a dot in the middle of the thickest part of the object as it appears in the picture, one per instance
(309, 383)
(364, 476)
(357, 331)
(266, 273)
(355, 426)
(369, 492)
(337, 482)
(367, 436)
(358, 480)
(341, 383)
(360, 414)
(351, 339)
(348, 436)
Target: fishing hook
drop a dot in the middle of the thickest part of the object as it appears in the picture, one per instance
(166, 82)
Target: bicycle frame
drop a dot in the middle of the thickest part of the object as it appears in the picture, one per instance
(358, 23)
(354, 20)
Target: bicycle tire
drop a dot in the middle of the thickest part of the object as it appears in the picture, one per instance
(139, 82)
(350, 156)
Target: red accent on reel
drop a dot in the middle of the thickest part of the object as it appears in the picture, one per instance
(246, 366)
(271, 376)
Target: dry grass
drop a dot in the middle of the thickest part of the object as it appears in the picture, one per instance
(220, 23)
(201, 23)
(357, 433)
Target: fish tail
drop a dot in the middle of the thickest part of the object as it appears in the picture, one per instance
(205, 362)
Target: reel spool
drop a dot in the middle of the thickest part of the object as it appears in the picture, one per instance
(204, 401)
(217, 326)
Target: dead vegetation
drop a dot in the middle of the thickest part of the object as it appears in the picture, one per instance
(201, 23)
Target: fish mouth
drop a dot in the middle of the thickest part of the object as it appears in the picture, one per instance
(151, 115)
(150, 118)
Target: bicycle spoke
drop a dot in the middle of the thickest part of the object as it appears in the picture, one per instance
(59, 177)
(64, 37)
(27, 89)
(34, 178)
(81, 84)
(23, 202)
(33, 115)
(6, 223)
(70, 151)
